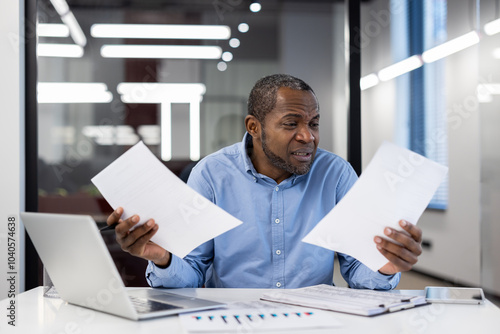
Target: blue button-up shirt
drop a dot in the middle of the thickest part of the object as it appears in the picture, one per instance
(266, 251)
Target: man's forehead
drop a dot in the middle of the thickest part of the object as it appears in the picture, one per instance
(288, 96)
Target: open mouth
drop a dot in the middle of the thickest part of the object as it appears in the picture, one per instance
(302, 156)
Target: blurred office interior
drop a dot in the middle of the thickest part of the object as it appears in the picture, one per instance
(176, 74)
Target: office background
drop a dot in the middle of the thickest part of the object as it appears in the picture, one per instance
(456, 97)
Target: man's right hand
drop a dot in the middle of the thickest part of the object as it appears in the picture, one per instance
(138, 242)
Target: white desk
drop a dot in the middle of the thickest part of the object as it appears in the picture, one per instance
(36, 314)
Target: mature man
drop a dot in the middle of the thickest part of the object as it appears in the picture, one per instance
(280, 184)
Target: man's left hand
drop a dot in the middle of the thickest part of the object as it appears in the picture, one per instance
(401, 257)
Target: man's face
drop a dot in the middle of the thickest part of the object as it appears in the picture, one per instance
(290, 133)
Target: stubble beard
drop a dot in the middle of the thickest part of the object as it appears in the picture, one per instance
(281, 163)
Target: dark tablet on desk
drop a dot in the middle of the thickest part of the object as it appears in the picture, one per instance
(452, 295)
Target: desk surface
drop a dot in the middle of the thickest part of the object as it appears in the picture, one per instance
(37, 314)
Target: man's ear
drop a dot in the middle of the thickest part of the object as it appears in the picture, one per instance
(253, 126)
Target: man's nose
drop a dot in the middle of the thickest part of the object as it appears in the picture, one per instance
(304, 134)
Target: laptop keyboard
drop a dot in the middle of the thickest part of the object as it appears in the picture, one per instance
(143, 305)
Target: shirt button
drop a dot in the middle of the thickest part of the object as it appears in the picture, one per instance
(278, 252)
(277, 188)
(277, 221)
(278, 284)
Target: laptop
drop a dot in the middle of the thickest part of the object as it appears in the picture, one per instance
(83, 272)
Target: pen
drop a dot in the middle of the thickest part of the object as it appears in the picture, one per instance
(108, 227)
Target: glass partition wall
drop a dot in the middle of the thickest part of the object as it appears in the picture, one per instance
(430, 82)
(175, 74)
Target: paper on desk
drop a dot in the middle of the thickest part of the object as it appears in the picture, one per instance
(142, 185)
(397, 184)
(255, 317)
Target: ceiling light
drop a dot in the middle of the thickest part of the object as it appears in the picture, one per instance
(243, 27)
(163, 31)
(70, 21)
(52, 30)
(496, 53)
(255, 7)
(368, 81)
(450, 47)
(161, 51)
(59, 50)
(492, 28)
(402, 67)
(234, 42)
(73, 92)
(166, 94)
(221, 66)
(227, 56)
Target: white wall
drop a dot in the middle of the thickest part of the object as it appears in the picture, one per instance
(11, 125)
(489, 70)
(454, 233)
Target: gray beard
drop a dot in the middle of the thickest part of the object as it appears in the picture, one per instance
(280, 163)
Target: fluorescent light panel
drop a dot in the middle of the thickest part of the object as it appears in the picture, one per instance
(62, 8)
(166, 94)
(368, 81)
(492, 28)
(73, 92)
(161, 51)
(59, 50)
(402, 67)
(52, 30)
(163, 31)
(74, 29)
(451, 47)
(496, 53)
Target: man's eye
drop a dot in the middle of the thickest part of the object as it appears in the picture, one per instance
(290, 124)
(315, 125)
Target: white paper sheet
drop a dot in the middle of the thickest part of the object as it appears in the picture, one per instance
(142, 185)
(397, 184)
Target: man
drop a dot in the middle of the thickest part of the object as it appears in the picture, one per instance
(280, 184)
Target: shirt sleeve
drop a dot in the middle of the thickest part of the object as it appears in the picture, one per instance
(356, 274)
(359, 276)
(190, 271)
(182, 273)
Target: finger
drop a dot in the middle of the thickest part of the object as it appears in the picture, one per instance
(123, 228)
(134, 236)
(401, 264)
(115, 216)
(405, 239)
(414, 231)
(139, 246)
(399, 251)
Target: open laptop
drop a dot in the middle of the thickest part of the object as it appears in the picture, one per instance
(83, 272)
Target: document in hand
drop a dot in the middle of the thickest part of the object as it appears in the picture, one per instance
(345, 300)
(397, 184)
(142, 185)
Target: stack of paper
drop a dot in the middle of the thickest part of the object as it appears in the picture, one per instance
(354, 301)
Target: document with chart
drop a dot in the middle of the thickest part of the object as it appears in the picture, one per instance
(397, 184)
(142, 185)
(257, 316)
